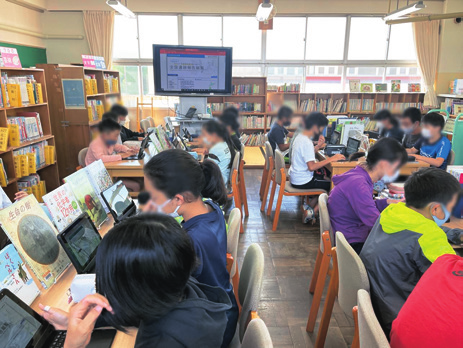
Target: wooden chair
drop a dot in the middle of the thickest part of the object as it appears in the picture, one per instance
(285, 189)
(348, 277)
(81, 158)
(322, 262)
(257, 335)
(144, 124)
(267, 174)
(235, 187)
(244, 199)
(370, 332)
(234, 223)
(151, 121)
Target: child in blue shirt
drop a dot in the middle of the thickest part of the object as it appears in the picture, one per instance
(433, 148)
(177, 183)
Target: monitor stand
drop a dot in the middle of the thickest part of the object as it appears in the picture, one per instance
(194, 124)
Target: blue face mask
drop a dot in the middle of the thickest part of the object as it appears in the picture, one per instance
(111, 142)
(438, 221)
(390, 179)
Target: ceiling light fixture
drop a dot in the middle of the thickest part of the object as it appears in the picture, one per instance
(417, 6)
(264, 10)
(119, 7)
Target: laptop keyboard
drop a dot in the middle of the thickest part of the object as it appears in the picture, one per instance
(58, 340)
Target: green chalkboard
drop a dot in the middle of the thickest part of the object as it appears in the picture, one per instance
(29, 56)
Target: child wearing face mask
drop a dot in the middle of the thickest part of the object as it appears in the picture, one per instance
(177, 184)
(353, 211)
(434, 147)
(407, 239)
(410, 123)
(219, 146)
(278, 133)
(126, 134)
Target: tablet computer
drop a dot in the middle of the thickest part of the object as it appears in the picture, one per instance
(117, 199)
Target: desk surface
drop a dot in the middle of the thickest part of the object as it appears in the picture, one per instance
(56, 295)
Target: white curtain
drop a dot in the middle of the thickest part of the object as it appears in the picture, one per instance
(99, 28)
(427, 50)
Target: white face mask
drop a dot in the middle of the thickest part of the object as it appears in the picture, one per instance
(122, 123)
(389, 179)
(206, 141)
(426, 133)
(160, 209)
(408, 130)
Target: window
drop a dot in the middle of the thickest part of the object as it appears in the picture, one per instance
(401, 42)
(364, 74)
(237, 28)
(325, 38)
(286, 40)
(202, 30)
(405, 75)
(130, 83)
(247, 71)
(125, 41)
(367, 39)
(324, 79)
(156, 30)
(281, 75)
(147, 83)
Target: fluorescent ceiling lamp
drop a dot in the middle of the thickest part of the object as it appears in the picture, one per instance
(405, 11)
(263, 11)
(123, 10)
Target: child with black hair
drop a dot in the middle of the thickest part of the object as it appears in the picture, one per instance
(388, 125)
(219, 146)
(126, 134)
(278, 133)
(177, 184)
(410, 123)
(112, 116)
(229, 119)
(407, 239)
(434, 147)
(143, 268)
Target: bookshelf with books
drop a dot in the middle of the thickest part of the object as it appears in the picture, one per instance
(72, 123)
(26, 137)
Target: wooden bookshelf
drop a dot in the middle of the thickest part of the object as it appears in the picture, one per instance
(47, 173)
(71, 126)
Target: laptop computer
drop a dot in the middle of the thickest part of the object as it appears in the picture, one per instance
(187, 134)
(80, 241)
(352, 146)
(119, 202)
(22, 327)
(334, 140)
(141, 152)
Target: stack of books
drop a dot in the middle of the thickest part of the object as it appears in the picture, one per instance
(257, 139)
(17, 91)
(29, 159)
(26, 126)
(453, 106)
(95, 110)
(33, 185)
(90, 84)
(245, 89)
(248, 122)
(111, 84)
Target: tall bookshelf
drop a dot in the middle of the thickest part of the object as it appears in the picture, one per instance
(71, 126)
(48, 173)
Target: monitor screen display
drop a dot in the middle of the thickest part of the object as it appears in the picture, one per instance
(180, 70)
(118, 198)
(352, 146)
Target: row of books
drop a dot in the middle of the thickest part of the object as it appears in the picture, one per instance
(90, 84)
(452, 105)
(160, 139)
(368, 104)
(33, 186)
(456, 87)
(257, 139)
(95, 109)
(29, 159)
(252, 122)
(273, 107)
(17, 91)
(323, 105)
(242, 106)
(111, 84)
(3, 174)
(398, 106)
(246, 89)
(287, 87)
(26, 126)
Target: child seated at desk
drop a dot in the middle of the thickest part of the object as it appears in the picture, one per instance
(351, 206)
(278, 133)
(126, 134)
(410, 123)
(143, 268)
(229, 119)
(112, 116)
(434, 147)
(407, 239)
(388, 125)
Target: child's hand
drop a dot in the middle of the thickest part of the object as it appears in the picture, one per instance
(20, 195)
(337, 157)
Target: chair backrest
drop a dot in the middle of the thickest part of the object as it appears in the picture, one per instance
(151, 121)
(352, 275)
(370, 332)
(257, 335)
(234, 223)
(268, 154)
(451, 159)
(235, 165)
(279, 163)
(144, 124)
(81, 156)
(250, 286)
(325, 224)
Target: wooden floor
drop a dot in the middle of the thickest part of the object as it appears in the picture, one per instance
(289, 260)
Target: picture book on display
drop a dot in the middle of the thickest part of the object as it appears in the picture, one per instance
(99, 178)
(63, 206)
(15, 277)
(86, 196)
(34, 237)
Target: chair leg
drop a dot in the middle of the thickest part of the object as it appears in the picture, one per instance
(318, 291)
(356, 340)
(278, 207)
(272, 195)
(236, 282)
(262, 183)
(329, 304)
(313, 281)
(265, 194)
(244, 198)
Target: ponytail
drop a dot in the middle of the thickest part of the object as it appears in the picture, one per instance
(177, 172)
(214, 127)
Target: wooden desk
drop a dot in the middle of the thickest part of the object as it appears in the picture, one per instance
(56, 296)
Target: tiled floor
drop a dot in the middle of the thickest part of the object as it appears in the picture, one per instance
(289, 260)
